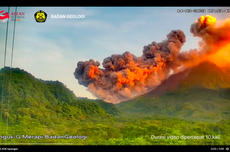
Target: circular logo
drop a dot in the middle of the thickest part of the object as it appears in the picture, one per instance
(40, 16)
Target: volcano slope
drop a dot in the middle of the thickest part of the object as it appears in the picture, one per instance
(38, 107)
(226, 68)
(200, 93)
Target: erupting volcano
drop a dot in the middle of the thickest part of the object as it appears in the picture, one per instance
(126, 76)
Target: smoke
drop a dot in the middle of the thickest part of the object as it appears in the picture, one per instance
(214, 37)
(125, 76)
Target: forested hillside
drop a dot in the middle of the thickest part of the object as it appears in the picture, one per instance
(39, 108)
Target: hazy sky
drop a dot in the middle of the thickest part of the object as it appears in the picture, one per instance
(51, 50)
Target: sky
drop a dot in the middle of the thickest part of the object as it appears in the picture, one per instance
(51, 50)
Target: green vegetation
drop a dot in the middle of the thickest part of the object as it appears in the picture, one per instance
(197, 104)
(35, 107)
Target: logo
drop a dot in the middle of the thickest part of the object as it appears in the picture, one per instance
(40, 16)
(17, 16)
(4, 17)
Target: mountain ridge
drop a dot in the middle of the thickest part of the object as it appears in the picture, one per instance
(200, 93)
(205, 75)
(39, 107)
(36, 98)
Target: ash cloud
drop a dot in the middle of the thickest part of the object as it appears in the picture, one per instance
(125, 76)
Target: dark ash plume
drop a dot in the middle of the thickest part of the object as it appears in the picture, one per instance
(125, 76)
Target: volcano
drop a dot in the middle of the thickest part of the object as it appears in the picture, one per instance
(205, 75)
(201, 92)
(226, 68)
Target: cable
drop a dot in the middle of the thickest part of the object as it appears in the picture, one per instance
(6, 39)
(4, 65)
(12, 53)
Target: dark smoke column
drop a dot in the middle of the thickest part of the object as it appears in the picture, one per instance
(125, 75)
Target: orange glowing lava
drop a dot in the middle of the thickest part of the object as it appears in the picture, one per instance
(222, 57)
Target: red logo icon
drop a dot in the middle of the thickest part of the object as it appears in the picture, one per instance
(4, 16)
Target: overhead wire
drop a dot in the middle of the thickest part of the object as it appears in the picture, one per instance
(3, 77)
(11, 63)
